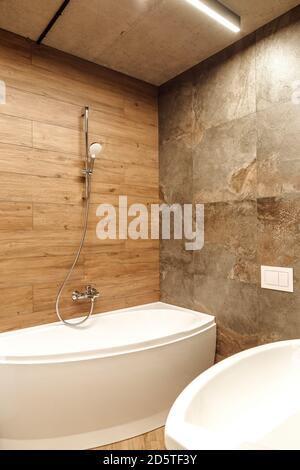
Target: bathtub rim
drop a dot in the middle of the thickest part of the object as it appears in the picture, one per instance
(177, 415)
(108, 352)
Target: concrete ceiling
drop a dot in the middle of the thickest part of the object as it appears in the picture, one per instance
(153, 40)
(27, 17)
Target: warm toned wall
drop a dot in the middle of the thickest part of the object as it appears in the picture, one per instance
(41, 188)
(230, 138)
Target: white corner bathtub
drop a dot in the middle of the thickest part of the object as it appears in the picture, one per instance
(117, 377)
(250, 401)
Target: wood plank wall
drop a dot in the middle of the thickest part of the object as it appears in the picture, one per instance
(41, 188)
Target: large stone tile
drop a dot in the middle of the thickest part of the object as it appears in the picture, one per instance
(234, 304)
(279, 245)
(278, 155)
(176, 273)
(236, 310)
(175, 108)
(230, 342)
(279, 314)
(173, 254)
(278, 60)
(177, 286)
(277, 177)
(225, 86)
(225, 162)
(278, 231)
(229, 251)
(176, 171)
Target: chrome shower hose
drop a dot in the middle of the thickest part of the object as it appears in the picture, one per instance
(61, 289)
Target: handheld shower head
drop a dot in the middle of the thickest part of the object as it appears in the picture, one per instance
(95, 149)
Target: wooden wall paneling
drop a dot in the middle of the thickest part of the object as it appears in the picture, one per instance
(16, 216)
(23, 244)
(37, 270)
(83, 71)
(138, 110)
(26, 188)
(15, 131)
(58, 139)
(120, 149)
(136, 176)
(129, 285)
(38, 108)
(16, 308)
(117, 303)
(117, 126)
(58, 217)
(108, 171)
(15, 48)
(49, 84)
(41, 184)
(37, 162)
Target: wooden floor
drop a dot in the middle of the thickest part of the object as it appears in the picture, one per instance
(150, 441)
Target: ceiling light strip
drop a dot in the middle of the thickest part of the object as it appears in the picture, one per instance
(219, 12)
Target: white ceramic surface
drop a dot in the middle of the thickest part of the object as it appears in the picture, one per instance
(248, 401)
(115, 378)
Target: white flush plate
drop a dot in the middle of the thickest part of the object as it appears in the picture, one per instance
(276, 278)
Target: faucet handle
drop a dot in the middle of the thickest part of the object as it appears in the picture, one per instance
(76, 295)
(92, 292)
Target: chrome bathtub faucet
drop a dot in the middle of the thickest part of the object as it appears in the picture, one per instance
(90, 293)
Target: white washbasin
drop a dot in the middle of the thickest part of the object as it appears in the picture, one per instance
(248, 401)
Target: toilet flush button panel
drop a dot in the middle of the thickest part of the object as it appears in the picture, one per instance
(277, 278)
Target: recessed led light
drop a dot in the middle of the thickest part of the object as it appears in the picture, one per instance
(218, 12)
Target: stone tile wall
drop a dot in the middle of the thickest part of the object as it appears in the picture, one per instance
(230, 138)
